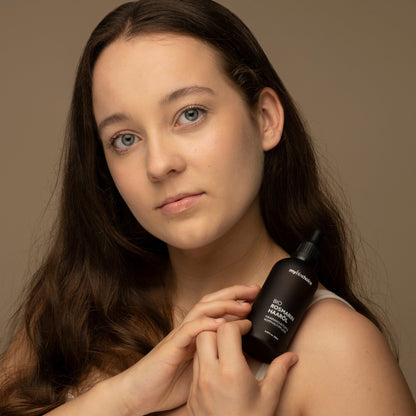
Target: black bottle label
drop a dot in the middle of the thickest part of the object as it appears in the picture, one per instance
(279, 308)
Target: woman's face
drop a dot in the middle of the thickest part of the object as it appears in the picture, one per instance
(178, 138)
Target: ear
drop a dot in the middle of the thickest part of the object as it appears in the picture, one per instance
(270, 117)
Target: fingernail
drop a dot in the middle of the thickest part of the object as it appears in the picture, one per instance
(219, 320)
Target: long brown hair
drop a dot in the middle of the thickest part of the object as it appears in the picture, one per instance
(95, 303)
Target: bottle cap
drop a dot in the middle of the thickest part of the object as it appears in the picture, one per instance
(308, 250)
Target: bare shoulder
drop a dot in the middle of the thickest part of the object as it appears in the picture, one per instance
(345, 366)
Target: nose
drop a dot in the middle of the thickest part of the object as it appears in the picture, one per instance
(163, 158)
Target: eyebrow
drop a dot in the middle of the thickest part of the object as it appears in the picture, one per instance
(183, 92)
(169, 98)
(114, 118)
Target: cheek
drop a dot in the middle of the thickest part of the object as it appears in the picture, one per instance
(247, 176)
(235, 147)
(129, 183)
(247, 160)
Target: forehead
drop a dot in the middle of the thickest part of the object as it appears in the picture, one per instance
(153, 44)
(153, 62)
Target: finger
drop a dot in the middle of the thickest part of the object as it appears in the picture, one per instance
(217, 309)
(186, 333)
(276, 375)
(206, 347)
(229, 341)
(193, 391)
(232, 318)
(195, 368)
(236, 292)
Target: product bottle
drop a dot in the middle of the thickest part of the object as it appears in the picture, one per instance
(282, 302)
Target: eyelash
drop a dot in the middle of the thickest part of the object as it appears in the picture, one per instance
(119, 136)
(200, 109)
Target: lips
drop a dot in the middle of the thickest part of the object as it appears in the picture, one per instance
(179, 203)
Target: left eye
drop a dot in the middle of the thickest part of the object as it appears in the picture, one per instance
(190, 115)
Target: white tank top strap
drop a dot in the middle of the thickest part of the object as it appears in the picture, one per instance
(261, 371)
(322, 294)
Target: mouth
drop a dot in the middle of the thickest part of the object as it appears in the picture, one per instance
(179, 203)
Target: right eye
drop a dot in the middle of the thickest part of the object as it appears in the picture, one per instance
(124, 141)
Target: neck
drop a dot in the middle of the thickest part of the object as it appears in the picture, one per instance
(244, 255)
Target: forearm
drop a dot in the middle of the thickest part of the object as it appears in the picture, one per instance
(104, 399)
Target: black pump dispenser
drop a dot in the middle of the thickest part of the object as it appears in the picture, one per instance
(282, 302)
(308, 250)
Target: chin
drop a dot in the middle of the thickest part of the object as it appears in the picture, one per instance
(188, 244)
(191, 240)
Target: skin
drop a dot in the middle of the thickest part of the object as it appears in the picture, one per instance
(219, 239)
(172, 155)
(217, 245)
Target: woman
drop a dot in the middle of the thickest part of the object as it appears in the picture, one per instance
(188, 174)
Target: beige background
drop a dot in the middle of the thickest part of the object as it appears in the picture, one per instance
(350, 65)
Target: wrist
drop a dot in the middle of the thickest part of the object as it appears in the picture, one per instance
(103, 399)
(109, 393)
(128, 394)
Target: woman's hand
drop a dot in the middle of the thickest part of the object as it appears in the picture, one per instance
(161, 380)
(223, 383)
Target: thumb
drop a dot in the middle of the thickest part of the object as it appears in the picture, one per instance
(276, 375)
